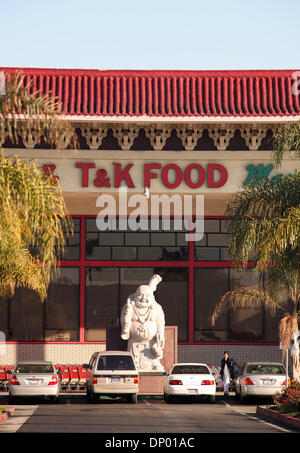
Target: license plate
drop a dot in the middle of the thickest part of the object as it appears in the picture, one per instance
(194, 391)
(34, 381)
(115, 379)
(268, 382)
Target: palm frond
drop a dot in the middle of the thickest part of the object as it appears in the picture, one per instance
(245, 297)
(33, 218)
(265, 220)
(287, 138)
(23, 108)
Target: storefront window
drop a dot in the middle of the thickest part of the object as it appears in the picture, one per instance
(62, 306)
(26, 316)
(210, 286)
(72, 249)
(173, 295)
(214, 244)
(107, 290)
(4, 301)
(272, 320)
(107, 287)
(102, 301)
(246, 323)
(168, 245)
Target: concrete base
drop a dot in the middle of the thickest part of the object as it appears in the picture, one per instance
(151, 383)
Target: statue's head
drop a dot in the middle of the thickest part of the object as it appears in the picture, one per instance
(144, 296)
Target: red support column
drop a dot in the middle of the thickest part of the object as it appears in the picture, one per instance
(82, 280)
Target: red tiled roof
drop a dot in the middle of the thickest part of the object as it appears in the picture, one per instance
(168, 94)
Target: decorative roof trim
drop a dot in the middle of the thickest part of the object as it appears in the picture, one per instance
(182, 119)
(169, 95)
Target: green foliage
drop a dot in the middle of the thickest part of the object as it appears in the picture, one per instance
(32, 217)
(287, 138)
(265, 222)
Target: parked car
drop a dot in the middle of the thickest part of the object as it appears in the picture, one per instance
(260, 379)
(112, 373)
(215, 371)
(190, 379)
(34, 379)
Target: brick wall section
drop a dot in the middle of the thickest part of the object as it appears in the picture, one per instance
(79, 354)
(213, 354)
(57, 353)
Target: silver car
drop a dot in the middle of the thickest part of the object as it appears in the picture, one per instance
(260, 379)
(34, 379)
(112, 373)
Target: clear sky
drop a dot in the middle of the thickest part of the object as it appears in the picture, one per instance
(154, 34)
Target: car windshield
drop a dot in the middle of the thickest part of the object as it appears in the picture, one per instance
(190, 369)
(115, 362)
(265, 369)
(35, 368)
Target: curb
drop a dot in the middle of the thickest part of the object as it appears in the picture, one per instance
(287, 420)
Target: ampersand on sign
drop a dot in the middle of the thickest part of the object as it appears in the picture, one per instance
(48, 169)
(102, 180)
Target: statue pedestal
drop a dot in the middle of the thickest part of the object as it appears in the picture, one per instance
(152, 382)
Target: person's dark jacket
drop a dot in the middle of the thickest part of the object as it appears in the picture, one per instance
(232, 367)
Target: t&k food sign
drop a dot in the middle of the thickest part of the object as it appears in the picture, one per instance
(158, 176)
(171, 175)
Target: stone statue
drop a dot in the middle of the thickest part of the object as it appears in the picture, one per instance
(143, 324)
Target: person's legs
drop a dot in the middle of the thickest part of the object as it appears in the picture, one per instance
(226, 386)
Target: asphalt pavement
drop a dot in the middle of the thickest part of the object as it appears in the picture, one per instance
(75, 415)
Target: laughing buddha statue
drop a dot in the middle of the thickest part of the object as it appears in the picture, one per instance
(143, 322)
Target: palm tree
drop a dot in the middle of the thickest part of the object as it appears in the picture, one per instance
(265, 223)
(40, 114)
(32, 209)
(286, 138)
(32, 217)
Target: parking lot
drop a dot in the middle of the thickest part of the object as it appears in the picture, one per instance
(74, 415)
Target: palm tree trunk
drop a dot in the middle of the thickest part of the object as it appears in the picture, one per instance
(295, 351)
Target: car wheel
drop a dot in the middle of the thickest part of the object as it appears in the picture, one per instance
(134, 398)
(169, 399)
(243, 399)
(212, 398)
(91, 396)
(12, 399)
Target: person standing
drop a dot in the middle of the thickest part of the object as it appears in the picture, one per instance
(227, 372)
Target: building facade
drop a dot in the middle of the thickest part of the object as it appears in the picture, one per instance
(143, 135)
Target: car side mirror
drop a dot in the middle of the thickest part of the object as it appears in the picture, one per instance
(9, 371)
(59, 372)
(85, 365)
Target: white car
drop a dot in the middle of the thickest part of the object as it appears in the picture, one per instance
(260, 379)
(112, 373)
(34, 379)
(190, 379)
